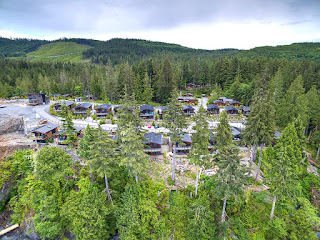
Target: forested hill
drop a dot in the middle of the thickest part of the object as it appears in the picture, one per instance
(134, 50)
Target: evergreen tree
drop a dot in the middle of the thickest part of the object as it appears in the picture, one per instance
(200, 141)
(175, 122)
(148, 91)
(67, 125)
(166, 82)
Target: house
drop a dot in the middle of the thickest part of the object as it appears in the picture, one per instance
(67, 96)
(82, 109)
(185, 146)
(61, 136)
(78, 99)
(190, 86)
(103, 110)
(218, 103)
(153, 142)
(236, 132)
(213, 109)
(188, 95)
(37, 99)
(245, 111)
(146, 111)
(188, 110)
(57, 107)
(226, 100)
(44, 132)
(231, 110)
(187, 99)
(235, 103)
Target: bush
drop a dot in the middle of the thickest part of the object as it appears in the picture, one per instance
(165, 155)
(94, 117)
(102, 122)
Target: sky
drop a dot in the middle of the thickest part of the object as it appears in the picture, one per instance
(203, 24)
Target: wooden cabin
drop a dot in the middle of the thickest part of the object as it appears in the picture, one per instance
(153, 142)
(235, 103)
(82, 109)
(231, 110)
(188, 110)
(103, 110)
(188, 100)
(245, 111)
(44, 132)
(69, 105)
(185, 147)
(213, 109)
(146, 112)
(219, 103)
(37, 99)
(61, 136)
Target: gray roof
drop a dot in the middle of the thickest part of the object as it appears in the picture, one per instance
(84, 105)
(66, 103)
(186, 138)
(216, 101)
(153, 138)
(236, 131)
(77, 129)
(226, 100)
(277, 134)
(232, 102)
(186, 107)
(211, 106)
(246, 109)
(146, 107)
(67, 94)
(56, 95)
(188, 94)
(45, 128)
(187, 98)
(228, 108)
(105, 106)
(165, 108)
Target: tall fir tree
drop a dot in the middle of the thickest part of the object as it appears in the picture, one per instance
(67, 125)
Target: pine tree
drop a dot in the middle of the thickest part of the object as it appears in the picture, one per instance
(166, 82)
(200, 140)
(67, 125)
(232, 176)
(260, 124)
(175, 122)
(148, 91)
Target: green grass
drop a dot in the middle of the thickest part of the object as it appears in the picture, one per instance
(58, 51)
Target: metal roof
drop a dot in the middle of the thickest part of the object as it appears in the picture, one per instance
(186, 98)
(104, 106)
(232, 102)
(216, 101)
(186, 107)
(228, 108)
(146, 107)
(246, 109)
(211, 106)
(84, 105)
(153, 138)
(65, 103)
(45, 128)
(277, 134)
(77, 129)
(186, 138)
(236, 131)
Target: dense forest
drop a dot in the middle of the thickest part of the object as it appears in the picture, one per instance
(114, 190)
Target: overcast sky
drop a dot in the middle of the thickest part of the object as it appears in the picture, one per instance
(205, 24)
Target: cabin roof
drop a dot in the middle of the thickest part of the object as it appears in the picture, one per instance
(233, 102)
(246, 109)
(211, 106)
(229, 108)
(65, 103)
(153, 138)
(84, 105)
(187, 107)
(45, 128)
(185, 138)
(65, 95)
(104, 106)
(77, 129)
(186, 98)
(146, 107)
(236, 131)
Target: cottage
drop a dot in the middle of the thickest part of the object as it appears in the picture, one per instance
(213, 109)
(146, 111)
(44, 132)
(236, 133)
(153, 143)
(187, 99)
(57, 107)
(188, 95)
(103, 110)
(235, 103)
(188, 110)
(82, 109)
(245, 111)
(67, 96)
(218, 103)
(231, 110)
(62, 136)
(185, 146)
(37, 99)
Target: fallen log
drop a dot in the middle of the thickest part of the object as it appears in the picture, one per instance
(9, 229)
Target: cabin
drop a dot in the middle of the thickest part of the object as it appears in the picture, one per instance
(188, 100)
(82, 109)
(188, 111)
(37, 99)
(236, 133)
(245, 111)
(153, 142)
(103, 110)
(185, 147)
(213, 109)
(57, 107)
(188, 95)
(67, 96)
(226, 100)
(231, 110)
(235, 103)
(146, 112)
(190, 86)
(218, 103)
(61, 136)
(44, 132)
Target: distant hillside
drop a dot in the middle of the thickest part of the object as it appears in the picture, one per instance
(295, 51)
